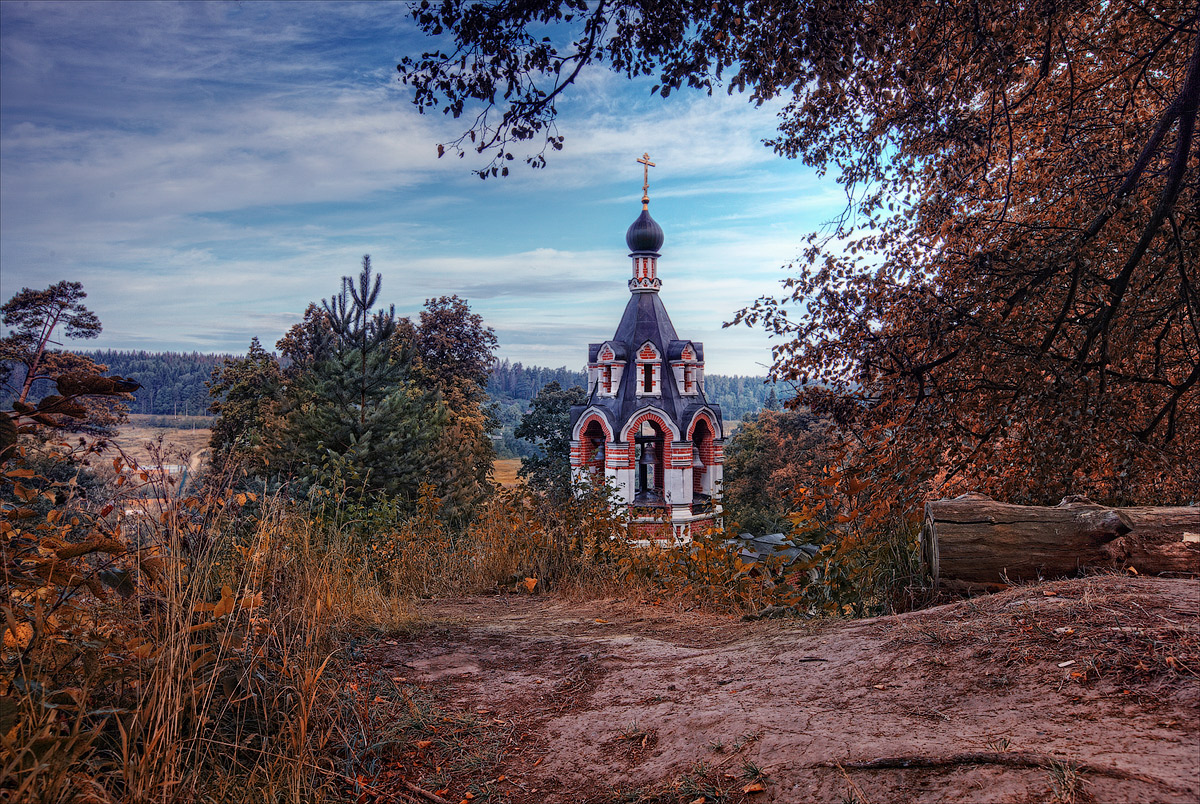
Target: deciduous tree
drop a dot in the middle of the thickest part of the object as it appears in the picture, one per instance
(1011, 299)
(453, 351)
(548, 425)
(766, 461)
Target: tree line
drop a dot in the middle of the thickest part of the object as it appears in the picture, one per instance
(172, 383)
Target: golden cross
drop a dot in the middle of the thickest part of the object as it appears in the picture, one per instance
(646, 165)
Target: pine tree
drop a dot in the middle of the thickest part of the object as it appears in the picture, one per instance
(356, 416)
(85, 401)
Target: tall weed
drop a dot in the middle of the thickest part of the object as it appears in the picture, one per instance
(163, 647)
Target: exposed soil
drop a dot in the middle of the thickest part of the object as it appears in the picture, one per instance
(1077, 690)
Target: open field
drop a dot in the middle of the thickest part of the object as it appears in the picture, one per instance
(506, 470)
(148, 444)
(1076, 690)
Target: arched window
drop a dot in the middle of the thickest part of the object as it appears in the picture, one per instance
(649, 454)
(593, 441)
(702, 459)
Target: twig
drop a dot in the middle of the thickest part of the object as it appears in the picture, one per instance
(434, 797)
(378, 793)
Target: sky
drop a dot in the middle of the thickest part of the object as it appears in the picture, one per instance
(208, 169)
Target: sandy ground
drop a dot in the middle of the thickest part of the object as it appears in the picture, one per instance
(1081, 690)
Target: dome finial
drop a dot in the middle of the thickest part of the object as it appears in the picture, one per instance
(646, 165)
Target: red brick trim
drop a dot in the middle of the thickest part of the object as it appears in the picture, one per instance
(709, 420)
(595, 417)
(660, 418)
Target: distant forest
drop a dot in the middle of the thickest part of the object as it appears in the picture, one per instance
(512, 385)
(173, 384)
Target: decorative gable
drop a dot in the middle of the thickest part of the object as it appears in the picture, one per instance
(687, 365)
(649, 371)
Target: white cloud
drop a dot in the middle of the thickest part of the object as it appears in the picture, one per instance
(208, 169)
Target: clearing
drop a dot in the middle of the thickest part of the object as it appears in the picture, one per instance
(1076, 690)
(149, 443)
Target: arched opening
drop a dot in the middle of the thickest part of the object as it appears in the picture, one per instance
(649, 457)
(702, 459)
(592, 442)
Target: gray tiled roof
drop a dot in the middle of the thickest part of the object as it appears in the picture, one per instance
(645, 319)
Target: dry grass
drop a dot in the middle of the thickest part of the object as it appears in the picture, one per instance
(205, 652)
(505, 471)
(145, 442)
(206, 676)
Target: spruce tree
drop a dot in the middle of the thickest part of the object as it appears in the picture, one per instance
(245, 392)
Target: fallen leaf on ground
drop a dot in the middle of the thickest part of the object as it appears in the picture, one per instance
(754, 787)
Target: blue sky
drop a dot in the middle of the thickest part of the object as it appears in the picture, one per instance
(207, 169)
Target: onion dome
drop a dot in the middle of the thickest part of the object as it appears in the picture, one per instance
(644, 235)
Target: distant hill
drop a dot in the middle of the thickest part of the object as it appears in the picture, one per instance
(172, 382)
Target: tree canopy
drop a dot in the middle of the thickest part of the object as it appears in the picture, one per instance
(548, 425)
(32, 317)
(366, 400)
(1010, 299)
(83, 400)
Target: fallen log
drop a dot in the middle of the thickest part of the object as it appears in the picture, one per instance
(974, 540)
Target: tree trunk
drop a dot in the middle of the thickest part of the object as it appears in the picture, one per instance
(973, 539)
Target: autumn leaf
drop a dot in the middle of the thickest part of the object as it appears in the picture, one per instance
(530, 584)
(251, 601)
(225, 605)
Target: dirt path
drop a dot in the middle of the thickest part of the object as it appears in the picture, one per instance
(1080, 690)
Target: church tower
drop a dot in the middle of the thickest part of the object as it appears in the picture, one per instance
(647, 427)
